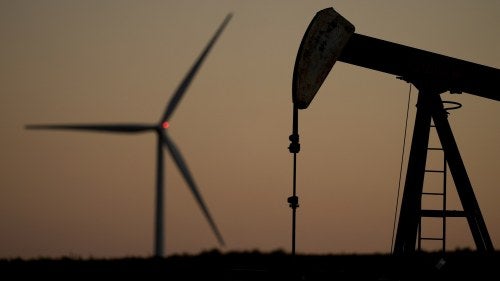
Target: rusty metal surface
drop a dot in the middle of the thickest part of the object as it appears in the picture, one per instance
(322, 43)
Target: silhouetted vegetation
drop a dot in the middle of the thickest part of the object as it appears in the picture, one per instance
(277, 265)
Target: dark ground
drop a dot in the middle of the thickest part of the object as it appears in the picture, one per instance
(278, 265)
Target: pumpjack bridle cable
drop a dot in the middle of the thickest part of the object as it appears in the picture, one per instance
(400, 170)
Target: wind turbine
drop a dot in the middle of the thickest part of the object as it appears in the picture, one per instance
(163, 140)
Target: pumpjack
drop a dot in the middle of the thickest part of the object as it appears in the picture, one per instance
(330, 38)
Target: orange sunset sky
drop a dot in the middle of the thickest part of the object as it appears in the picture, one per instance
(92, 195)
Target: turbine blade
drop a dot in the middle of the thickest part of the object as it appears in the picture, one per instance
(181, 164)
(115, 128)
(192, 72)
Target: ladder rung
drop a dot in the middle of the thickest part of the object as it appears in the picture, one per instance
(435, 148)
(432, 193)
(434, 171)
(442, 213)
(431, 238)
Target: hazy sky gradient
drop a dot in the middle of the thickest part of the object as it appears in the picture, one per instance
(92, 194)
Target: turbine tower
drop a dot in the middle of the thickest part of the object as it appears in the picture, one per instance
(163, 140)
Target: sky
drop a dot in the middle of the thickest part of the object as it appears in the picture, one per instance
(83, 194)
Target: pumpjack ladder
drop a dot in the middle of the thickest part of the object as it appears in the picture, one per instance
(443, 212)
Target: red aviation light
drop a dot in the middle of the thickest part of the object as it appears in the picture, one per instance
(165, 125)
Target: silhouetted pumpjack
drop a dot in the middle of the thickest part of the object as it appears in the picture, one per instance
(432, 74)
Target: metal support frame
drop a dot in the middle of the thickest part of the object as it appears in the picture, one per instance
(430, 106)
